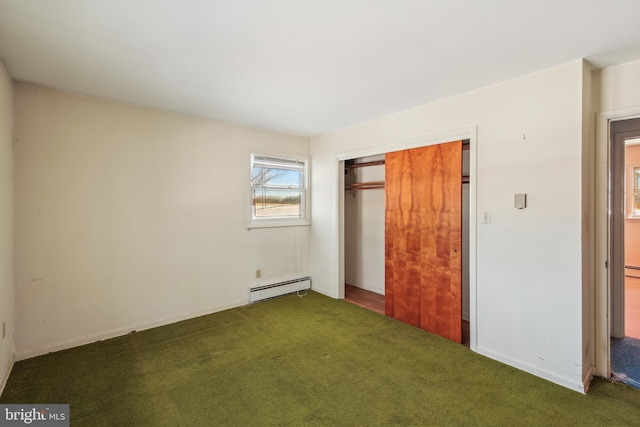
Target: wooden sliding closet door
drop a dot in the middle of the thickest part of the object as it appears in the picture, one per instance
(423, 238)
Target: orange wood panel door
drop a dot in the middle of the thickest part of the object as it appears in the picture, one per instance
(423, 238)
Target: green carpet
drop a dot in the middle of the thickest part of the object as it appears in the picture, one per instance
(294, 362)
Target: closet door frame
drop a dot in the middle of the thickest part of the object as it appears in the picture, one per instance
(469, 133)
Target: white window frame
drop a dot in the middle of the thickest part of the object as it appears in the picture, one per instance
(632, 213)
(280, 221)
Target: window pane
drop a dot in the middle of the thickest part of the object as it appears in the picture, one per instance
(276, 177)
(279, 193)
(268, 202)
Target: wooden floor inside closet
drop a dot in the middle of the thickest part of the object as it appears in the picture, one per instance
(375, 302)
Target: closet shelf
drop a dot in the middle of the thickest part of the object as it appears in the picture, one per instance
(364, 164)
(365, 185)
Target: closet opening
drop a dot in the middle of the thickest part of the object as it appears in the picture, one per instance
(364, 202)
(364, 233)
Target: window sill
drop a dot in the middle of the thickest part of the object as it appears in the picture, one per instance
(633, 218)
(271, 223)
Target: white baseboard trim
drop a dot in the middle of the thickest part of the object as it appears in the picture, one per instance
(324, 292)
(75, 342)
(544, 374)
(6, 372)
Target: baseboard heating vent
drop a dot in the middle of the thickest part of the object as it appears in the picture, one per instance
(260, 293)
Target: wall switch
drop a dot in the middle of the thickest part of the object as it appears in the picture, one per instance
(258, 273)
(485, 217)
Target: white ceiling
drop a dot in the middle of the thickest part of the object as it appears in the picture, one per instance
(302, 66)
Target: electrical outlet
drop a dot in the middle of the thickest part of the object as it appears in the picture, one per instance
(258, 273)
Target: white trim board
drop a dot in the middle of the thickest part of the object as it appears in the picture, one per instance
(541, 373)
(6, 372)
(469, 133)
(413, 142)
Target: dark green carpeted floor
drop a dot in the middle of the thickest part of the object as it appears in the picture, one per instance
(309, 361)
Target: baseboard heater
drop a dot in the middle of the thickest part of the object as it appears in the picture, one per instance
(272, 290)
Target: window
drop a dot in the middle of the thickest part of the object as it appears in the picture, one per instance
(279, 190)
(635, 193)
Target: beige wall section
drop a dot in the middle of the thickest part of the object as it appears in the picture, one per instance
(6, 226)
(529, 280)
(619, 86)
(129, 217)
(632, 226)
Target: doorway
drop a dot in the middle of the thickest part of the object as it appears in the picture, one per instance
(624, 243)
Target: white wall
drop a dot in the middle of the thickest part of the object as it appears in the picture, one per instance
(129, 217)
(364, 231)
(529, 262)
(6, 225)
(619, 86)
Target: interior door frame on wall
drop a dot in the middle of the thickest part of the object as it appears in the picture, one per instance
(603, 246)
(620, 131)
(469, 133)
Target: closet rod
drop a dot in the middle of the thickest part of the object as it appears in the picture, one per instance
(364, 188)
(364, 164)
(365, 185)
(380, 184)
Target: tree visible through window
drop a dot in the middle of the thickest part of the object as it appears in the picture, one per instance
(278, 187)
